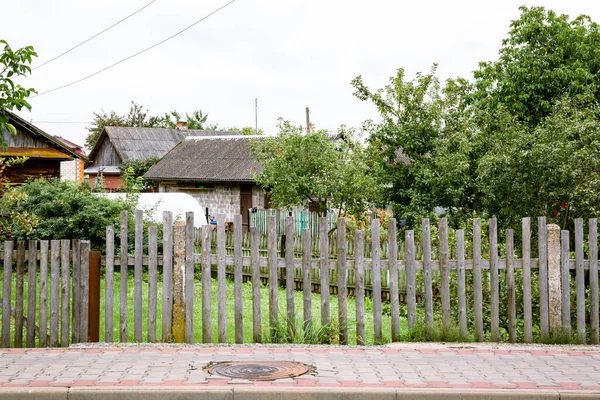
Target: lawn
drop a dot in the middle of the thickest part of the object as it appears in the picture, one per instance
(247, 311)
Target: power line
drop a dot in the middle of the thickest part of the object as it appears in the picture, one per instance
(60, 122)
(134, 55)
(96, 35)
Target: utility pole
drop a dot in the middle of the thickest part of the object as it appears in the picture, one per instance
(256, 114)
(307, 120)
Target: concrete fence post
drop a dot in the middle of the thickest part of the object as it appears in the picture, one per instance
(554, 279)
(178, 324)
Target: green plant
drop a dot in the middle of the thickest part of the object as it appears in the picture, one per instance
(13, 63)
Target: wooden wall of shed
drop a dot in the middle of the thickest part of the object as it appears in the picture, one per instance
(107, 155)
(32, 169)
(23, 139)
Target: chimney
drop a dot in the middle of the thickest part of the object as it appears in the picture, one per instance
(181, 126)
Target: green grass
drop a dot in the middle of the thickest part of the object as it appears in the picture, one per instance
(317, 335)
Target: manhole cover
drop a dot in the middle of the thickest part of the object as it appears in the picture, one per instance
(259, 370)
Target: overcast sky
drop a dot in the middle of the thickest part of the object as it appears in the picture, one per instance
(287, 53)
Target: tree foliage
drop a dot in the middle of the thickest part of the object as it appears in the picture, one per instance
(52, 209)
(310, 169)
(134, 170)
(137, 116)
(13, 63)
(519, 139)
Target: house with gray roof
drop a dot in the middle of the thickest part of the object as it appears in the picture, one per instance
(218, 171)
(120, 144)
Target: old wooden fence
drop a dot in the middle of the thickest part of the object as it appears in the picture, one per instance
(449, 291)
(58, 277)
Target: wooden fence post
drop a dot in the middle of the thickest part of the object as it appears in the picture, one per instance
(93, 314)
(6, 292)
(554, 278)
(178, 327)
(86, 279)
(543, 276)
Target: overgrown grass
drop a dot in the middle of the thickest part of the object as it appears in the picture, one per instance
(315, 334)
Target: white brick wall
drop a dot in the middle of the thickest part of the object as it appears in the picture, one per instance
(68, 170)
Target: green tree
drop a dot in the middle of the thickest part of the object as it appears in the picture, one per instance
(247, 131)
(138, 117)
(135, 117)
(134, 170)
(196, 120)
(421, 149)
(301, 169)
(13, 63)
(544, 57)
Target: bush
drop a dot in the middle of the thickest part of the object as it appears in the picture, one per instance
(65, 210)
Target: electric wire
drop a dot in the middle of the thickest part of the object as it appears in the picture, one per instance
(136, 54)
(95, 36)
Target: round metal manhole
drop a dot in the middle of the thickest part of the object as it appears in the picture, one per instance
(259, 370)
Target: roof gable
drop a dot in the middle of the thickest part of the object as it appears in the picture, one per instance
(38, 141)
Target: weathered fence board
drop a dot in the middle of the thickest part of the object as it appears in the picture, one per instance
(324, 270)
(31, 293)
(256, 314)
(359, 247)
(427, 273)
(477, 283)
(221, 289)
(109, 288)
(411, 292)
(54, 291)
(494, 281)
(566, 282)
(237, 280)
(152, 281)
(137, 274)
(206, 286)
(395, 296)
(20, 272)
(167, 270)
(543, 276)
(462, 298)
(43, 293)
(7, 292)
(123, 332)
(526, 254)
(375, 241)
(289, 272)
(593, 271)
(189, 277)
(65, 291)
(580, 280)
(510, 288)
(342, 281)
(444, 273)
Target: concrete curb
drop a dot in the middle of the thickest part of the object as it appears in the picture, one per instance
(275, 393)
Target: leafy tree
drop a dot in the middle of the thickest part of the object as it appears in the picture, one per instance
(247, 131)
(544, 57)
(301, 169)
(138, 117)
(134, 170)
(421, 149)
(135, 117)
(13, 63)
(197, 120)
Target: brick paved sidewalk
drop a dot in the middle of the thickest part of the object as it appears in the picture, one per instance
(334, 367)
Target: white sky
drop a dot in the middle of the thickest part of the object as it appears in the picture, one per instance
(288, 53)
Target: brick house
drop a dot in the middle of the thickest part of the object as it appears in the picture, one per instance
(218, 171)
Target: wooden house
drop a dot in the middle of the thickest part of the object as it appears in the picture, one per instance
(120, 144)
(45, 152)
(218, 171)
